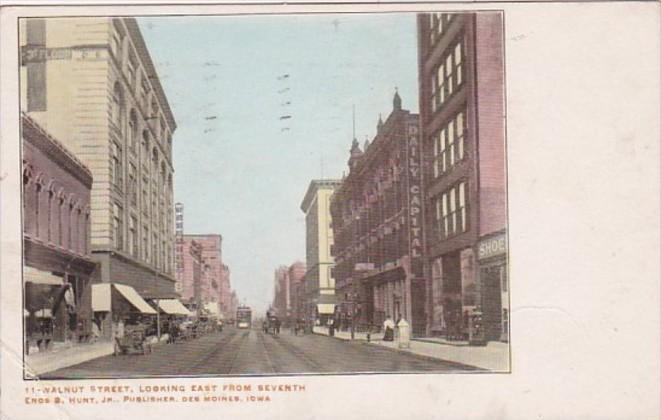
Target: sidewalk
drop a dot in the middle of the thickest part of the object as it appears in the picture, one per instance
(493, 357)
(66, 355)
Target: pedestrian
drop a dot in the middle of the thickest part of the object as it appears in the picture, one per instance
(388, 329)
(277, 326)
(331, 327)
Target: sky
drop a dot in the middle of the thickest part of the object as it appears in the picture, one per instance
(241, 169)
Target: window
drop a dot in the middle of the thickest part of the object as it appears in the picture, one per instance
(133, 132)
(438, 24)
(133, 185)
(448, 76)
(449, 144)
(154, 253)
(450, 211)
(145, 243)
(73, 242)
(50, 216)
(116, 47)
(145, 195)
(145, 147)
(133, 237)
(130, 71)
(118, 226)
(85, 230)
(117, 169)
(70, 222)
(37, 193)
(60, 221)
(117, 104)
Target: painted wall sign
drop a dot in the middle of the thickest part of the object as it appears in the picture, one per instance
(415, 199)
(31, 54)
(491, 247)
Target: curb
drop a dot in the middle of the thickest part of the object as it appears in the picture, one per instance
(412, 353)
(431, 358)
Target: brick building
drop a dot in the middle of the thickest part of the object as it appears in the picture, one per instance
(91, 83)
(377, 223)
(461, 85)
(58, 268)
(203, 287)
(318, 301)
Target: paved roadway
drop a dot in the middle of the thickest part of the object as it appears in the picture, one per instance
(251, 352)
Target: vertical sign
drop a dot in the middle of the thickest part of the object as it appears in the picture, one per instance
(414, 169)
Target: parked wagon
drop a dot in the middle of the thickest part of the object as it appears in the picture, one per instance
(134, 341)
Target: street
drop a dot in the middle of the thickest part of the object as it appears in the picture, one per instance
(251, 352)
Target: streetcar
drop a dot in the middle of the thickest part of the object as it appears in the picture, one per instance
(243, 317)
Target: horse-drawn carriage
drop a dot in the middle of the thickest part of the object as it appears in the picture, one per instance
(134, 341)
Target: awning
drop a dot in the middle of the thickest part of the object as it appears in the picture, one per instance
(101, 298)
(212, 307)
(40, 277)
(173, 307)
(326, 308)
(134, 298)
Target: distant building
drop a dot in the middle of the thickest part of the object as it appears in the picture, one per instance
(280, 291)
(461, 76)
(377, 223)
(58, 268)
(319, 298)
(296, 274)
(203, 272)
(91, 83)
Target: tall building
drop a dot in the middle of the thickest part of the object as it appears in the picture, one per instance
(286, 298)
(56, 239)
(225, 292)
(319, 298)
(203, 287)
(296, 274)
(461, 84)
(280, 291)
(377, 223)
(91, 83)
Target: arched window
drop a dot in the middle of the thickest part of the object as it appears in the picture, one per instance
(51, 196)
(117, 105)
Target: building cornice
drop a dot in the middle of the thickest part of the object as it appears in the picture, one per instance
(42, 140)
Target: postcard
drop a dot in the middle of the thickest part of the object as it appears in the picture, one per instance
(317, 211)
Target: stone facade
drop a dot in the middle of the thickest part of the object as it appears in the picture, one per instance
(319, 282)
(91, 83)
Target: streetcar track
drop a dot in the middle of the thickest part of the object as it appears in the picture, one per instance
(266, 353)
(298, 353)
(200, 363)
(243, 338)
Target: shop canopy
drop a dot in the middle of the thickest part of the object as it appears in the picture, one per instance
(102, 296)
(173, 307)
(326, 308)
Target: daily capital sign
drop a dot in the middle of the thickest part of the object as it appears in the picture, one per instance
(415, 199)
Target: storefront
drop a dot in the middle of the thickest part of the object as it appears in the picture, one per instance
(116, 305)
(494, 285)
